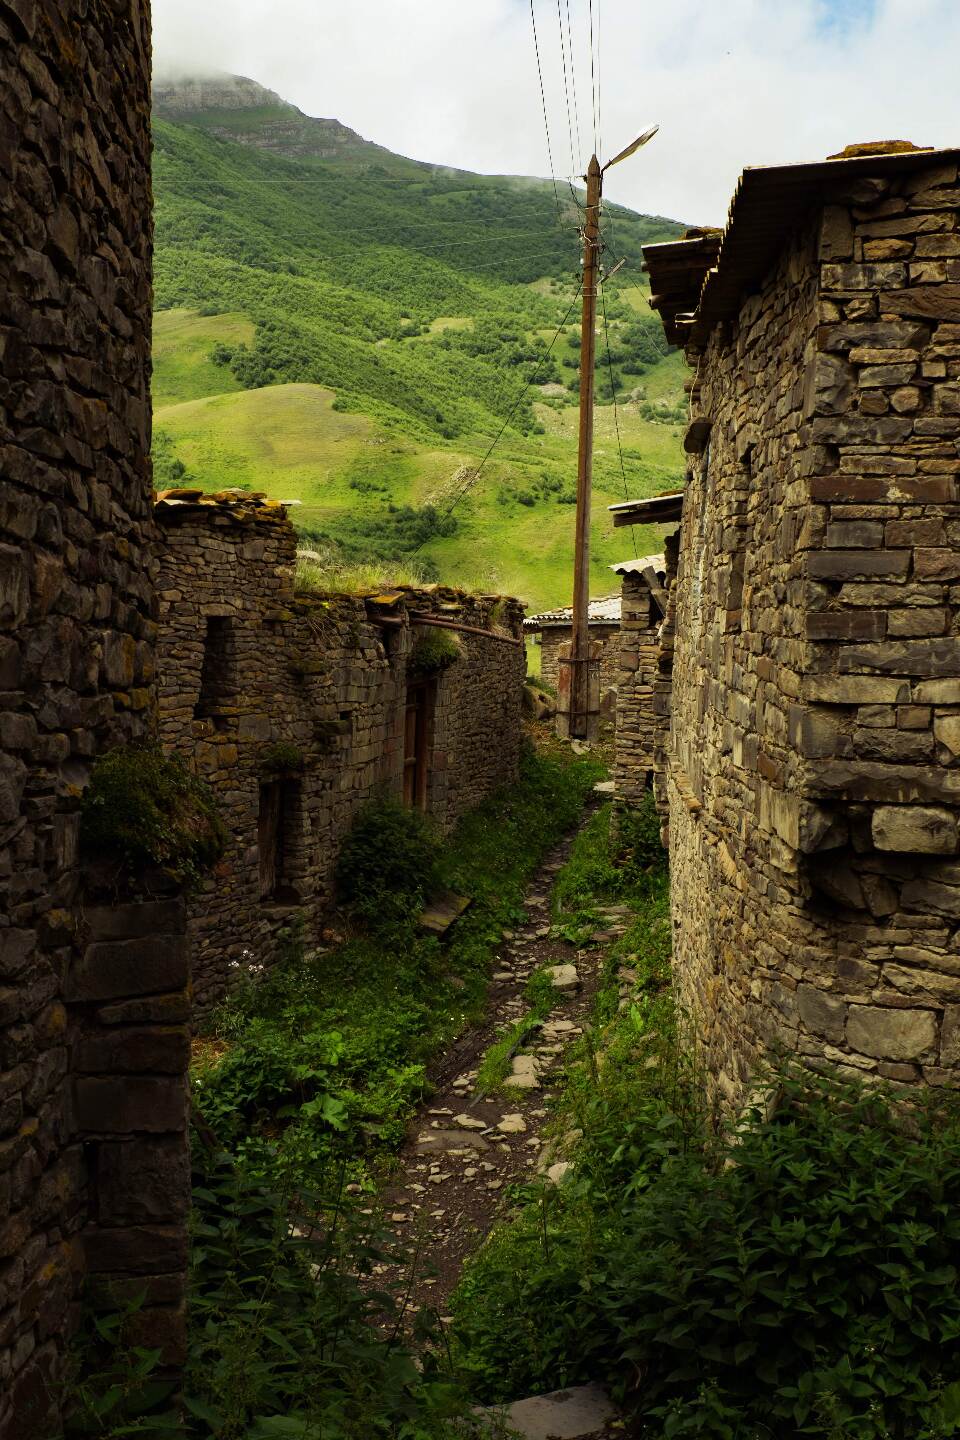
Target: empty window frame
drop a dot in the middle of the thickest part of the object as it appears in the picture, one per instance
(218, 674)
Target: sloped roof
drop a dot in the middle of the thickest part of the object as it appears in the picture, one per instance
(649, 511)
(693, 293)
(605, 611)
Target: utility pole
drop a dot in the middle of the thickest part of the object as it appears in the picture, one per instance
(575, 719)
(579, 722)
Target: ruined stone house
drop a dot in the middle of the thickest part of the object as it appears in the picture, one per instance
(298, 709)
(811, 767)
(94, 1174)
(552, 631)
(94, 998)
(639, 706)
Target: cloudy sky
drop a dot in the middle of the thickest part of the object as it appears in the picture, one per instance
(731, 82)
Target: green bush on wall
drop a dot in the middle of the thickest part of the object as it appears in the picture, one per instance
(388, 862)
(281, 758)
(433, 653)
(143, 808)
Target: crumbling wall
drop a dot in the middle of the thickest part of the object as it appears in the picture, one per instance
(813, 780)
(76, 662)
(307, 714)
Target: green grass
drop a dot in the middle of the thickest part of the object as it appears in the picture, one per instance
(182, 346)
(370, 351)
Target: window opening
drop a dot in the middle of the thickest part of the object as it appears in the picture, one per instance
(218, 673)
(279, 821)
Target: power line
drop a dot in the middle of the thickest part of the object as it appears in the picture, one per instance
(472, 479)
(566, 86)
(616, 412)
(593, 82)
(543, 99)
(573, 86)
(599, 81)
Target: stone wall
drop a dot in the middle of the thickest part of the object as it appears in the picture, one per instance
(812, 767)
(247, 665)
(77, 634)
(639, 714)
(554, 639)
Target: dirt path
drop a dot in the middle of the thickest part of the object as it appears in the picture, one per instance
(465, 1150)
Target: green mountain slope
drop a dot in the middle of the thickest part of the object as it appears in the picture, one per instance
(305, 277)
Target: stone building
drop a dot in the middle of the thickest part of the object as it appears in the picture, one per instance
(555, 629)
(639, 706)
(811, 768)
(299, 708)
(94, 1180)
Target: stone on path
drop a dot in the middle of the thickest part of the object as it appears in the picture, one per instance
(526, 1073)
(557, 1172)
(578, 1414)
(513, 1124)
(564, 977)
(450, 1140)
(469, 1122)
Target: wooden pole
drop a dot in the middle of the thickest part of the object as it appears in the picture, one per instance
(580, 638)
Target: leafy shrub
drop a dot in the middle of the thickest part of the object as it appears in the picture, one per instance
(284, 1337)
(388, 862)
(802, 1282)
(637, 835)
(143, 808)
(433, 653)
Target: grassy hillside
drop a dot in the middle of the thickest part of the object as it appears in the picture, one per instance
(351, 330)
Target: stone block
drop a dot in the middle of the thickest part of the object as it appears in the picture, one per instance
(122, 1105)
(925, 896)
(928, 657)
(950, 1036)
(144, 1181)
(822, 1013)
(131, 1050)
(915, 829)
(946, 729)
(136, 1249)
(857, 564)
(111, 969)
(891, 1034)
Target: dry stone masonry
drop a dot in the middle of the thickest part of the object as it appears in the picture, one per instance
(638, 719)
(300, 708)
(93, 1174)
(811, 767)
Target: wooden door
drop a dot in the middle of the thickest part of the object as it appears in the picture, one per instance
(415, 747)
(269, 838)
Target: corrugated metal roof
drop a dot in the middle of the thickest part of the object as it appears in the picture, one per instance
(637, 566)
(605, 611)
(648, 512)
(769, 203)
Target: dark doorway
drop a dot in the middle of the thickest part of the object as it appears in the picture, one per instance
(277, 826)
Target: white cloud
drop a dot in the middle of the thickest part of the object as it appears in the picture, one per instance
(732, 82)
